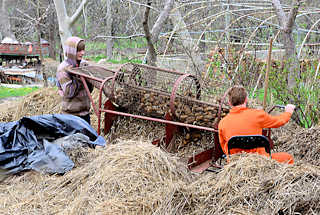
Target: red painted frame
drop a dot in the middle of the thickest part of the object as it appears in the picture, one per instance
(110, 110)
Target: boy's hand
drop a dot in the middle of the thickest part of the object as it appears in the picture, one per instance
(290, 108)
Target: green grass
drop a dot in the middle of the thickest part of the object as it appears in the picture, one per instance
(95, 45)
(96, 58)
(11, 92)
(259, 94)
(131, 43)
(119, 44)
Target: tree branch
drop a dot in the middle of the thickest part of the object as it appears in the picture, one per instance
(280, 13)
(74, 17)
(155, 32)
(288, 26)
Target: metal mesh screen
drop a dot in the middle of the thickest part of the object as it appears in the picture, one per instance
(154, 92)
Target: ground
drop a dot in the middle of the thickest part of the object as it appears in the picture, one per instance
(8, 103)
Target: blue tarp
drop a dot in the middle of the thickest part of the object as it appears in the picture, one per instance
(26, 144)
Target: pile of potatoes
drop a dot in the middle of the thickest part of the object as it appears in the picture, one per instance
(155, 104)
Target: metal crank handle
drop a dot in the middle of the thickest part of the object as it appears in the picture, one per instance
(280, 106)
(276, 106)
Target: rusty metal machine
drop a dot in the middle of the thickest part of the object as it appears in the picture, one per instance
(156, 94)
(151, 93)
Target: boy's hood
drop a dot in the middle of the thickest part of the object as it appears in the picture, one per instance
(71, 49)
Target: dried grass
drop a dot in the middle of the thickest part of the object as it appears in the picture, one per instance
(252, 184)
(131, 176)
(127, 178)
(43, 101)
(302, 143)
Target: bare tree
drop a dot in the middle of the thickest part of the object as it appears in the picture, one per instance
(287, 23)
(65, 21)
(109, 29)
(52, 31)
(5, 30)
(158, 25)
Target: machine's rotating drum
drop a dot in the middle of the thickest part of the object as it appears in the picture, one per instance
(153, 92)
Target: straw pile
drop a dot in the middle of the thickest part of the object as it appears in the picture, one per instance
(139, 178)
(303, 144)
(135, 177)
(252, 184)
(43, 101)
(127, 178)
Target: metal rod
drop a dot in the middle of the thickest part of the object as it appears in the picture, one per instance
(89, 95)
(155, 68)
(159, 120)
(86, 76)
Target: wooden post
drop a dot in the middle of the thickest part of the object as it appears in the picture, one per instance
(266, 80)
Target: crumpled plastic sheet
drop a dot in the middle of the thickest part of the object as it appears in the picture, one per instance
(40, 142)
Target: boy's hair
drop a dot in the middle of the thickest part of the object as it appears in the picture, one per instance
(81, 46)
(237, 95)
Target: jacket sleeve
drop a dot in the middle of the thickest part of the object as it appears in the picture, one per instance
(269, 121)
(222, 139)
(68, 84)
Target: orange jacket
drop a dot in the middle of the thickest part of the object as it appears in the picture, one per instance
(245, 121)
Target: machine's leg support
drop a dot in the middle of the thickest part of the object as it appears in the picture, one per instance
(109, 117)
(170, 138)
(202, 161)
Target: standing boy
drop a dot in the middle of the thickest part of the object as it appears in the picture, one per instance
(75, 100)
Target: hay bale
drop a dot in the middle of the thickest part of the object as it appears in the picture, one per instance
(253, 184)
(127, 178)
(8, 109)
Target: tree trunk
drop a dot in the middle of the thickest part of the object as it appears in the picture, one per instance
(66, 22)
(155, 32)
(109, 30)
(52, 42)
(291, 61)
(51, 36)
(5, 30)
(152, 56)
(151, 76)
